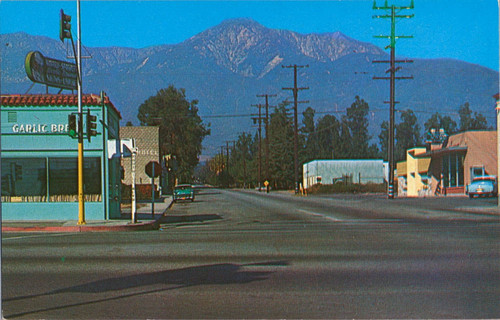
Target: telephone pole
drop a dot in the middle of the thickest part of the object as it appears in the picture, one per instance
(266, 126)
(392, 12)
(222, 166)
(295, 91)
(259, 120)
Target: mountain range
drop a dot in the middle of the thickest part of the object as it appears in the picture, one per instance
(227, 66)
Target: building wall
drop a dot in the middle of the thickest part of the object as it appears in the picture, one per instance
(481, 150)
(476, 148)
(148, 145)
(415, 175)
(327, 171)
(39, 158)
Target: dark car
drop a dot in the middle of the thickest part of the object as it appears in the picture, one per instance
(482, 186)
(183, 192)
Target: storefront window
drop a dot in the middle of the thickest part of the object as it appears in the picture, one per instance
(453, 170)
(24, 180)
(446, 171)
(63, 179)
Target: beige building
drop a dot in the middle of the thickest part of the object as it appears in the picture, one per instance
(148, 149)
(450, 166)
(413, 179)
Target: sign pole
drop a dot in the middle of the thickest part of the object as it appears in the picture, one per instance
(134, 203)
(153, 193)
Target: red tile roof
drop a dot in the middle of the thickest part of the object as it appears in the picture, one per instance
(21, 100)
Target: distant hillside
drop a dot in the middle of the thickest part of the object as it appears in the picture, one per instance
(226, 66)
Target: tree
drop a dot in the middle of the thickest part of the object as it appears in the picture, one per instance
(281, 164)
(242, 158)
(383, 139)
(356, 121)
(407, 134)
(328, 138)
(436, 121)
(181, 128)
(309, 135)
(470, 122)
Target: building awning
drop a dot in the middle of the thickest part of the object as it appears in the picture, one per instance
(442, 152)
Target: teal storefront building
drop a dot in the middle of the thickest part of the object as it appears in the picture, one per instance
(39, 159)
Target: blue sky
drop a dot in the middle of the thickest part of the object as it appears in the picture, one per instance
(460, 29)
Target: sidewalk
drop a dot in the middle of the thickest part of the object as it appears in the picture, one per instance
(145, 221)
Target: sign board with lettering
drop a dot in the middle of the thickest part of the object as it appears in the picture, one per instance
(52, 72)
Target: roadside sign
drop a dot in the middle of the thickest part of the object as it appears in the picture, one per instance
(51, 72)
(153, 169)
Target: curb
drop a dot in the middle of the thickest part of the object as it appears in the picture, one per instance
(143, 226)
(140, 226)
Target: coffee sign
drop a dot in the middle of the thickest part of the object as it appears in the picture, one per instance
(52, 72)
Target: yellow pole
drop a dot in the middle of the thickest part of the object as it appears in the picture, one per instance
(81, 199)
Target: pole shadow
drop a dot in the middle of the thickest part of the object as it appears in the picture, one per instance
(216, 274)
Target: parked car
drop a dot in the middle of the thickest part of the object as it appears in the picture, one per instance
(183, 192)
(482, 186)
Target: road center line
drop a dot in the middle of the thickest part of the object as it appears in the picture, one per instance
(320, 215)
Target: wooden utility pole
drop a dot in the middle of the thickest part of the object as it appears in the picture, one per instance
(266, 125)
(259, 120)
(392, 13)
(295, 91)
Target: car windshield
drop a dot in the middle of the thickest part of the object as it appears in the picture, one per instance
(184, 187)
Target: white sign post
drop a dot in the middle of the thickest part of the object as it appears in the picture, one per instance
(134, 202)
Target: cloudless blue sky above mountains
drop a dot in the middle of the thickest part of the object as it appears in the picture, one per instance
(461, 29)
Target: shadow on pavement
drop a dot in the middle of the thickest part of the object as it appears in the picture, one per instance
(189, 218)
(216, 274)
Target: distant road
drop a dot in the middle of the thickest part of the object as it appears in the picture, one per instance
(244, 254)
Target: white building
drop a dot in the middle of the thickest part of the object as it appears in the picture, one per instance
(354, 171)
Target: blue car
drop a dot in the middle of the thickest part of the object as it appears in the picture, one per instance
(482, 186)
(183, 192)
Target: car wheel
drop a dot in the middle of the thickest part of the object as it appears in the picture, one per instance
(471, 196)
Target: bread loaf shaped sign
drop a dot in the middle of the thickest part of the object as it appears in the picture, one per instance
(51, 72)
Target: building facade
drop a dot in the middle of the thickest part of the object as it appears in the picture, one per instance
(354, 171)
(39, 159)
(147, 142)
(413, 179)
(452, 165)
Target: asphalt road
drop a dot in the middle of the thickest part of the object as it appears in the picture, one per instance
(247, 255)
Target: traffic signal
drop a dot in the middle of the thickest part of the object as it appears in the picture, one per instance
(91, 125)
(72, 126)
(64, 26)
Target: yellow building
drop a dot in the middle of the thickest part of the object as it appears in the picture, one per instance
(413, 180)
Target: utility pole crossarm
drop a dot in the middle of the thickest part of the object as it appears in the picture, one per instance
(396, 37)
(387, 16)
